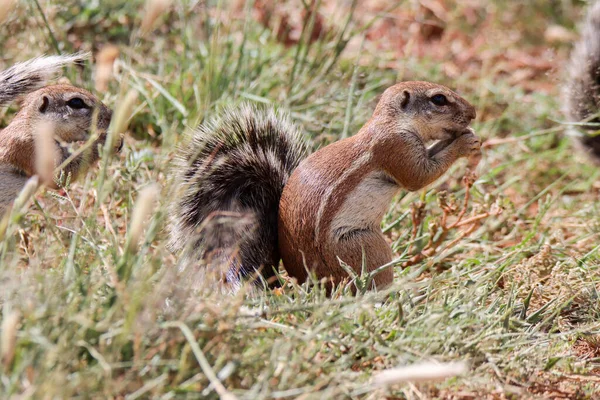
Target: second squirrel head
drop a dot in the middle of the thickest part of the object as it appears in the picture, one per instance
(433, 111)
(72, 111)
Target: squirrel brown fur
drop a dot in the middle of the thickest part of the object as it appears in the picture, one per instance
(69, 110)
(248, 196)
(582, 90)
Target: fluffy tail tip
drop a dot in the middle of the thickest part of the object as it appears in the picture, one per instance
(48, 66)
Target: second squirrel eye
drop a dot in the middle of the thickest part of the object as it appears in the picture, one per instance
(77, 103)
(439, 100)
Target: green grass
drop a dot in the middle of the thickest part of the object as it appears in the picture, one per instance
(88, 314)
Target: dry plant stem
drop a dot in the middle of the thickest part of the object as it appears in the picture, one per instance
(468, 181)
(50, 33)
(416, 215)
(432, 246)
(6, 7)
(465, 233)
(498, 141)
(8, 333)
(472, 219)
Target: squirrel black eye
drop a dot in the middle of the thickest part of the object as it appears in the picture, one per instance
(77, 103)
(439, 100)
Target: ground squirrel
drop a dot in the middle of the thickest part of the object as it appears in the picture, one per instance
(69, 110)
(582, 91)
(249, 197)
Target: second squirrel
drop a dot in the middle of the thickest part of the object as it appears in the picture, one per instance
(70, 111)
(249, 197)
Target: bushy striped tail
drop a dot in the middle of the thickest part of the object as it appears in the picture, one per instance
(230, 177)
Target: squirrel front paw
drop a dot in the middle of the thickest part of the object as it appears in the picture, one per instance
(468, 145)
(118, 141)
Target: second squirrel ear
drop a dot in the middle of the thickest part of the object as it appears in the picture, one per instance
(405, 98)
(44, 105)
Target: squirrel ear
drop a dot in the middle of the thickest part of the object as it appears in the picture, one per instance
(405, 98)
(44, 106)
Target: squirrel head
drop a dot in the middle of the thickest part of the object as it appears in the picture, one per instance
(71, 111)
(433, 111)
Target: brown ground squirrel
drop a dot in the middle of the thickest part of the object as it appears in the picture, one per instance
(69, 109)
(582, 91)
(251, 163)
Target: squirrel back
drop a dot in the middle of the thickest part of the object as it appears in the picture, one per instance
(231, 176)
(582, 91)
(28, 76)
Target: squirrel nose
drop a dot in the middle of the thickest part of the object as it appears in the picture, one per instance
(471, 113)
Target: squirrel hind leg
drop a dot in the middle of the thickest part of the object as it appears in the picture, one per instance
(376, 253)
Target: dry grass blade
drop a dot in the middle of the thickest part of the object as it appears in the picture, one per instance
(144, 208)
(423, 372)
(202, 361)
(45, 152)
(26, 193)
(153, 10)
(105, 60)
(8, 337)
(5, 8)
(120, 120)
